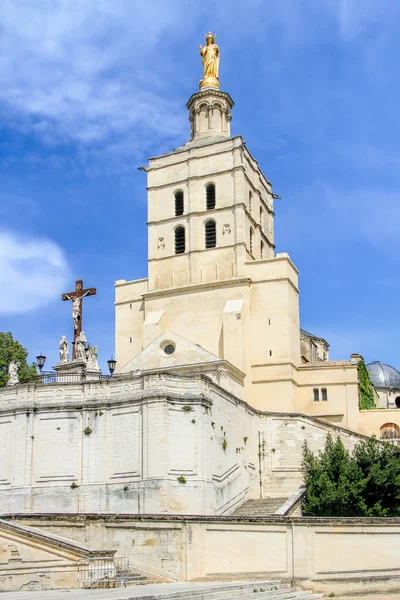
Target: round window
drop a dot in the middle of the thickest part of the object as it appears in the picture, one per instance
(167, 348)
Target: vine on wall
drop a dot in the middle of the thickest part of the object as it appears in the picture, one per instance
(365, 387)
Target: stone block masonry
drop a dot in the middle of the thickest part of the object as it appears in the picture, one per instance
(331, 555)
(155, 443)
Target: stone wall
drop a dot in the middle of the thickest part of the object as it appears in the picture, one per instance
(151, 444)
(330, 555)
(39, 560)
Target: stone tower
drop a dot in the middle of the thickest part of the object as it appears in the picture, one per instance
(212, 274)
(210, 206)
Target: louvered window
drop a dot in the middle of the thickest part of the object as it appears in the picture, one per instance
(251, 241)
(261, 249)
(210, 196)
(178, 203)
(211, 236)
(250, 202)
(179, 240)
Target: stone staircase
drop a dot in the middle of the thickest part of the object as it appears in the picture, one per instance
(262, 507)
(244, 590)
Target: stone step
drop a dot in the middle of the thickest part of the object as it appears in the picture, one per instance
(233, 589)
(179, 591)
(277, 591)
(243, 592)
(260, 507)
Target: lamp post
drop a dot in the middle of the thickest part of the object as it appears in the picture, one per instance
(40, 361)
(111, 365)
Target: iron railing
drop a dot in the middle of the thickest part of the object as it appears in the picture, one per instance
(104, 572)
(54, 377)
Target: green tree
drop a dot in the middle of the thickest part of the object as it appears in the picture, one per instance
(364, 483)
(10, 350)
(365, 387)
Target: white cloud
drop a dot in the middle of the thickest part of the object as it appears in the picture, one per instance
(83, 72)
(33, 272)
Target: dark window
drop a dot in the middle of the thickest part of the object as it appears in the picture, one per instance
(251, 241)
(316, 395)
(261, 216)
(250, 201)
(178, 203)
(179, 240)
(211, 236)
(324, 395)
(261, 249)
(210, 196)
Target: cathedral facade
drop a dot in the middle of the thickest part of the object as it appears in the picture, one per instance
(217, 387)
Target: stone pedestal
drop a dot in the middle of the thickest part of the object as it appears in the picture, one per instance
(210, 113)
(75, 371)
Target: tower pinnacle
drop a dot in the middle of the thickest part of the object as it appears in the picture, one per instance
(210, 56)
(210, 109)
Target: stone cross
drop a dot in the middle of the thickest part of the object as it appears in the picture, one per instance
(76, 298)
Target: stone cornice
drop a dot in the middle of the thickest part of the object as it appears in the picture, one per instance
(194, 287)
(206, 93)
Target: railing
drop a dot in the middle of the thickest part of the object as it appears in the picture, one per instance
(103, 572)
(54, 377)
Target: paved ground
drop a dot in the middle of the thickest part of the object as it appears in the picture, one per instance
(148, 591)
(118, 594)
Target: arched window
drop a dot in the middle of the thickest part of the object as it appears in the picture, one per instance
(178, 203)
(390, 431)
(251, 240)
(210, 196)
(180, 240)
(211, 236)
(250, 202)
(261, 249)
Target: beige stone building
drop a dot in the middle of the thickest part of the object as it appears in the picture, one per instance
(214, 278)
(216, 391)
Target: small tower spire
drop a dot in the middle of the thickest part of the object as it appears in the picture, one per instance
(210, 109)
(210, 56)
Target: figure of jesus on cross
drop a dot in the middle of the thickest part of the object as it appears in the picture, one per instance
(76, 298)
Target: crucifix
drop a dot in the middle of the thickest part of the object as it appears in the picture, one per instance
(76, 298)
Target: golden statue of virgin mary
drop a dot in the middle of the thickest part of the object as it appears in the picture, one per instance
(210, 56)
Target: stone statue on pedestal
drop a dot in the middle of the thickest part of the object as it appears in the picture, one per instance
(13, 373)
(80, 347)
(92, 358)
(210, 56)
(64, 352)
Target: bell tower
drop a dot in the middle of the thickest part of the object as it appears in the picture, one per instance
(213, 277)
(210, 208)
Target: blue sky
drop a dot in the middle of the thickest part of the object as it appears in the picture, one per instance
(90, 89)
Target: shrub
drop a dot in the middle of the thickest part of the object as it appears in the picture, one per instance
(364, 483)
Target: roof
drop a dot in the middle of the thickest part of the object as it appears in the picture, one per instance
(383, 375)
(312, 336)
(324, 364)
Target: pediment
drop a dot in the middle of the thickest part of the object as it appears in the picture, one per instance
(170, 350)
